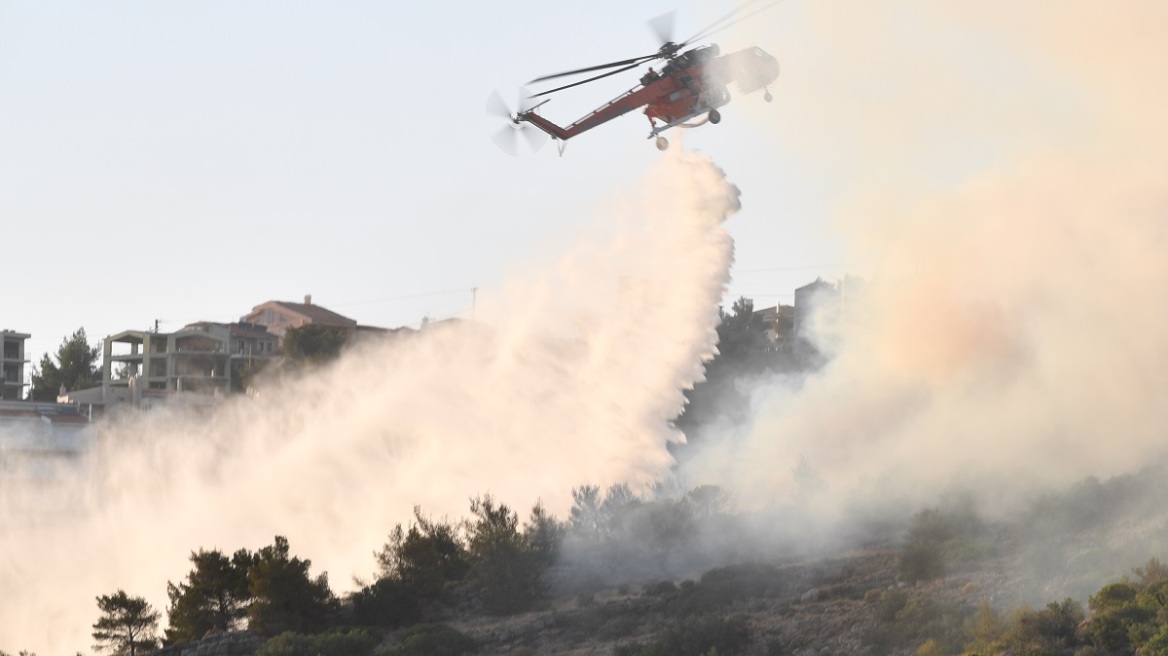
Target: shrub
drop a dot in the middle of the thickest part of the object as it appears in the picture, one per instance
(659, 589)
(387, 602)
(721, 587)
(434, 640)
(910, 619)
(709, 634)
(1050, 630)
(339, 642)
(601, 620)
(891, 603)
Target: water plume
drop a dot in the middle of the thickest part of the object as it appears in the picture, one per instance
(569, 375)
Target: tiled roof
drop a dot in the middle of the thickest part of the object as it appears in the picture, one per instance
(317, 314)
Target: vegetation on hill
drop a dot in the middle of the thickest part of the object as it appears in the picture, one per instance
(610, 577)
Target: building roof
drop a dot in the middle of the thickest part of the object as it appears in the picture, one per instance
(315, 313)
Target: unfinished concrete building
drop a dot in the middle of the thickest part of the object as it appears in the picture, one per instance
(12, 364)
(204, 357)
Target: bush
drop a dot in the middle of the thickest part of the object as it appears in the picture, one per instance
(921, 561)
(709, 634)
(721, 587)
(659, 589)
(434, 640)
(1050, 630)
(601, 620)
(938, 537)
(910, 619)
(388, 602)
(340, 642)
(891, 603)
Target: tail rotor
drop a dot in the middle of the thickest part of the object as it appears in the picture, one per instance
(507, 138)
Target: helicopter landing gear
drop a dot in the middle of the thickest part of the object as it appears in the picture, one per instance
(714, 116)
(662, 143)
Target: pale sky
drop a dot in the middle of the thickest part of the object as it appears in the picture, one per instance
(185, 161)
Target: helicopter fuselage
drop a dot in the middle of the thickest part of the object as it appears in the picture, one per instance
(689, 85)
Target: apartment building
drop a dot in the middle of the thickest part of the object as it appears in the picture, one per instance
(12, 364)
(205, 357)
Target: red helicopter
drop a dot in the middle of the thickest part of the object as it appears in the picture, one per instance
(692, 83)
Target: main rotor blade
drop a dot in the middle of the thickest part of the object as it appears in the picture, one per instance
(718, 26)
(591, 79)
(497, 107)
(525, 100)
(625, 62)
(662, 26)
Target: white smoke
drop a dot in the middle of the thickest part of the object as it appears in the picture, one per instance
(1001, 172)
(570, 375)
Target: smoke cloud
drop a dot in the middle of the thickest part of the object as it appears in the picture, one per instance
(1002, 186)
(569, 375)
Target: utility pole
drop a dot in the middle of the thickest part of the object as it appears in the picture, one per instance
(474, 297)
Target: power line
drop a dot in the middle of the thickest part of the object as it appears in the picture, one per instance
(798, 268)
(406, 297)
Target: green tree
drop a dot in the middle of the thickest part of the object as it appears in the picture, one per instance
(426, 558)
(1047, 631)
(985, 628)
(126, 626)
(214, 596)
(76, 367)
(544, 535)
(284, 596)
(744, 352)
(506, 569)
(584, 519)
(313, 344)
(416, 566)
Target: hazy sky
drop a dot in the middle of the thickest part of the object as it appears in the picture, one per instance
(187, 161)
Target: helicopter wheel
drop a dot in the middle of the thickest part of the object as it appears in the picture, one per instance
(714, 116)
(662, 143)
(768, 97)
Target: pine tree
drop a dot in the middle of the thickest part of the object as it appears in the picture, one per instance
(214, 596)
(126, 626)
(285, 598)
(75, 368)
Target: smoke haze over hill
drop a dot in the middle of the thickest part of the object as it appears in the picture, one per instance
(1003, 189)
